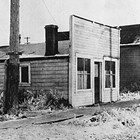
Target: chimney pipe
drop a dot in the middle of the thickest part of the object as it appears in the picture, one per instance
(51, 39)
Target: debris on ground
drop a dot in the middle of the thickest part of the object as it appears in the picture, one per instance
(126, 96)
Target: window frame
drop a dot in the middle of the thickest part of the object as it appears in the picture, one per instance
(85, 57)
(113, 60)
(29, 74)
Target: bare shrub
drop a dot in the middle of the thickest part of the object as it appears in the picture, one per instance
(42, 100)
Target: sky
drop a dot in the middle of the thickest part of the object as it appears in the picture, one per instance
(35, 14)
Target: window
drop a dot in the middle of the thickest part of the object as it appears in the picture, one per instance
(25, 73)
(110, 74)
(83, 73)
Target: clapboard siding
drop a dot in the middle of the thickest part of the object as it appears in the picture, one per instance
(45, 75)
(95, 41)
(83, 98)
(50, 68)
(50, 74)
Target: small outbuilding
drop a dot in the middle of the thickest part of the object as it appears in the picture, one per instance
(82, 63)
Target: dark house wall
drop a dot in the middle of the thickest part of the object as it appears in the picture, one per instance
(46, 74)
(130, 65)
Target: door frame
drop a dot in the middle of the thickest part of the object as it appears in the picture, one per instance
(100, 61)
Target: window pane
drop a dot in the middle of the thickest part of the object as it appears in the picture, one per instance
(107, 67)
(80, 81)
(88, 82)
(24, 74)
(113, 67)
(80, 65)
(87, 65)
(113, 81)
(107, 81)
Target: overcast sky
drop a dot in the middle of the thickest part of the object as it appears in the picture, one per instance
(35, 14)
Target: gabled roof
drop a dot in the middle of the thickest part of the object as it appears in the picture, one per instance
(130, 34)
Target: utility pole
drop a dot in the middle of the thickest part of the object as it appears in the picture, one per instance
(27, 38)
(19, 38)
(12, 65)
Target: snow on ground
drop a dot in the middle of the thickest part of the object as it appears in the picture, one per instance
(106, 124)
(114, 124)
(129, 96)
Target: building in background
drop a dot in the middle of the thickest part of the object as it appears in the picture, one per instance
(130, 56)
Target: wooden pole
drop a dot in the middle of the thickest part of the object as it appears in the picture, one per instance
(12, 66)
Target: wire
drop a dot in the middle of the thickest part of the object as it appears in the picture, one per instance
(52, 17)
(49, 11)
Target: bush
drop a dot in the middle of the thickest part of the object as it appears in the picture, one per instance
(42, 99)
(132, 87)
(1, 102)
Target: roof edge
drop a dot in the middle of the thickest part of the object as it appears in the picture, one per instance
(116, 27)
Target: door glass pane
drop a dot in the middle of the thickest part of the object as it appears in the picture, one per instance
(80, 81)
(107, 81)
(107, 67)
(113, 67)
(110, 74)
(96, 70)
(113, 81)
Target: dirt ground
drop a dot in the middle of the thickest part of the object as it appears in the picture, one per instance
(69, 130)
(81, 128)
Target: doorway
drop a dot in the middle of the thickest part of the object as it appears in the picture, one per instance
(97, 81)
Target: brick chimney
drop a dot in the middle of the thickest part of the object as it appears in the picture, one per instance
(51, 33)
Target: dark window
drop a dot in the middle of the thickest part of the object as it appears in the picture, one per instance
(110, 74)
(83, 73)
(24, 74)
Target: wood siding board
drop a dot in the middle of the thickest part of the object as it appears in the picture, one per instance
(49, 72)
(49, 76)
(50, 68)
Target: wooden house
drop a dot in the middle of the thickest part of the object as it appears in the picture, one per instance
(130, 56)
(82, 63)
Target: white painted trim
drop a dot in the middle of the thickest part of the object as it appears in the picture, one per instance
(98, 60)
(29, 74)
(71, 61)
(118, 81)
(82, 55)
